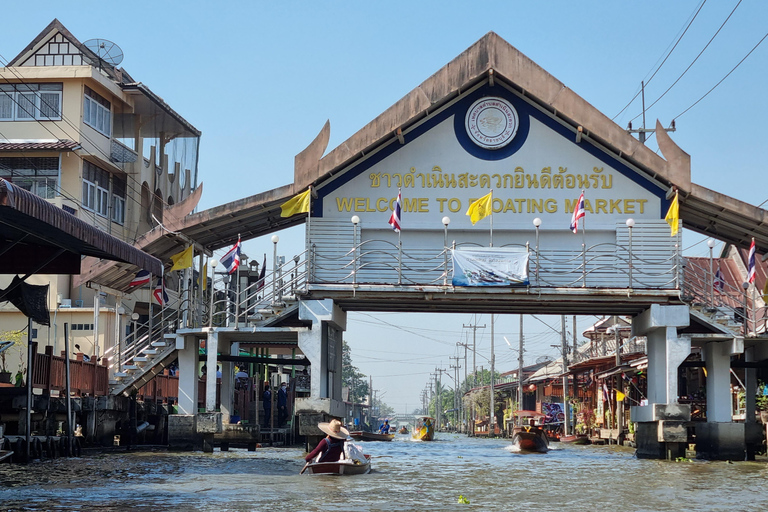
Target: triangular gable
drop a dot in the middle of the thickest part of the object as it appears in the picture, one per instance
(57, 46)
(538, 169)
(491, 59)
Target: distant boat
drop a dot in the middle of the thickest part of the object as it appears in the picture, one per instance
(340, 467)
(425, 429)
(370, 436)
(575, 439)
(403, 430)
(527, 434)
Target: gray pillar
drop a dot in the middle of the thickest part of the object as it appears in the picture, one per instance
(718, 360)
(187, 351)
(228, 383)
(750, 383)
(211, 349)
(314, 344)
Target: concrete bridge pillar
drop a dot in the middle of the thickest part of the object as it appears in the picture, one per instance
(720, 438)
(182, 430)
(661, 425)
(322, 345)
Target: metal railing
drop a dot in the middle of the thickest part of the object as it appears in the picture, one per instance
(741, 309)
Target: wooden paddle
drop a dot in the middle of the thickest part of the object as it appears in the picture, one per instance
(304, 468)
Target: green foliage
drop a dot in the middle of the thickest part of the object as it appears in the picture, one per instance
(17, 337)
(463, 500)
(683, 459)
(351, 376)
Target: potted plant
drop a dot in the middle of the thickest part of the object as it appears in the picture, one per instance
(15, 340)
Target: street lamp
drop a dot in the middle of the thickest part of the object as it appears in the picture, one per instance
(119, 312)
(134, 318)
(537, 225)
(711, 245)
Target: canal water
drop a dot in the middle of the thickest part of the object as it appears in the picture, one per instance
(407, 475)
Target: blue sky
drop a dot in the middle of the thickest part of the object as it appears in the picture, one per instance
(259, 79)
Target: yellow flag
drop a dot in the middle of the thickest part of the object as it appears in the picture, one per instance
(619, 396)
(183, 259)
(765, 291)
(481, 208)
(204, 279)
(296, 204)
(673, 216)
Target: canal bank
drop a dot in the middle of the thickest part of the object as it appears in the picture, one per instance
(406, 475)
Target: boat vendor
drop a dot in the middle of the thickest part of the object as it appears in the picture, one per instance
(384, 429)
(332, 446)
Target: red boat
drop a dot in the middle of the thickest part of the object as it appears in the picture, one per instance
(575, 439)
(528, 434)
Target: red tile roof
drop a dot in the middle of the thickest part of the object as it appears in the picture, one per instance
(49, 145)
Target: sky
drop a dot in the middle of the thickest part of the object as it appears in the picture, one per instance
(260, 79)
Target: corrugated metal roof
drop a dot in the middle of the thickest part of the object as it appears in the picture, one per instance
(38, 237)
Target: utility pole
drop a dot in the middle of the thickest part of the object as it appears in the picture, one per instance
(642, 131)
(474, 328)
(566, 424)
(456, 388)
(439, 389)
(520, 369)
(492, 431)
(370, 401)
(461, 397)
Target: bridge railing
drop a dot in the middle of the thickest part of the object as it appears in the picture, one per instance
(740, 307)
(603, 265)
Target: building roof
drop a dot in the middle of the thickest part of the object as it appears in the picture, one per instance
(37, 237)
(7, 145)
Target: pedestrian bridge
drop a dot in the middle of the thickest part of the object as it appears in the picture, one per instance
(491, 124)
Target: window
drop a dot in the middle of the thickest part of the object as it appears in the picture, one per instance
(30, 102)
(95, 189)
(97, 113)
(37, 175)
(118, 199)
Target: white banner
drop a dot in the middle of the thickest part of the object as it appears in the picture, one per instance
(490, 266)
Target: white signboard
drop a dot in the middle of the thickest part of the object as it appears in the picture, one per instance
(488, 266)
(438, 177)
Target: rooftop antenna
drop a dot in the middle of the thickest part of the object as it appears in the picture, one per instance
(106, 51)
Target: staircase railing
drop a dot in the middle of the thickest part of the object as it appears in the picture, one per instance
(741, 308)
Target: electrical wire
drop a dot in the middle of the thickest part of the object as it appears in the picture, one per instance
(690, 22)
(721, 81)
(692, 62)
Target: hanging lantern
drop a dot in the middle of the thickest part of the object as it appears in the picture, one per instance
(532, 387)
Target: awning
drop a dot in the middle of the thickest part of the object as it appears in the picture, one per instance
(36, 237)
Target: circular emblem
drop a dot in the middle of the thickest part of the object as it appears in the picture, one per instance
(492, 122)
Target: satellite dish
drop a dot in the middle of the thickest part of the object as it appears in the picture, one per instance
(543, 359)
(105, 50)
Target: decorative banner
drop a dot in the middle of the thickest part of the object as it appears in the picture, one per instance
(490, 266)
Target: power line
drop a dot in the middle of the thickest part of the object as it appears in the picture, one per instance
(680, 38)
(726, 76)
(692, 62)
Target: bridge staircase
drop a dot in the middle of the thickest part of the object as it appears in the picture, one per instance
(151, 346)
(720, 303)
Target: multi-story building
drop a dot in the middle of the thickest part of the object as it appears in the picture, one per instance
(82, 133)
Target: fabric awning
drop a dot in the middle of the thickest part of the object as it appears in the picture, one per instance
(37, 237)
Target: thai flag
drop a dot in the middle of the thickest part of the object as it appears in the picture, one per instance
(578, 213)
(394, 219)
(606, 394)
(141, 278)
(159, 292)
(231, 260)
(751, 269)
(719, 282)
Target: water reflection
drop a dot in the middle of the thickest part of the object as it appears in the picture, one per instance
(406, 476)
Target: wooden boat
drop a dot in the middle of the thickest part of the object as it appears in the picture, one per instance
(425, 429)
(575, 439)
(528, 434)
(370, 436)
(340, 467)
(403, 430)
